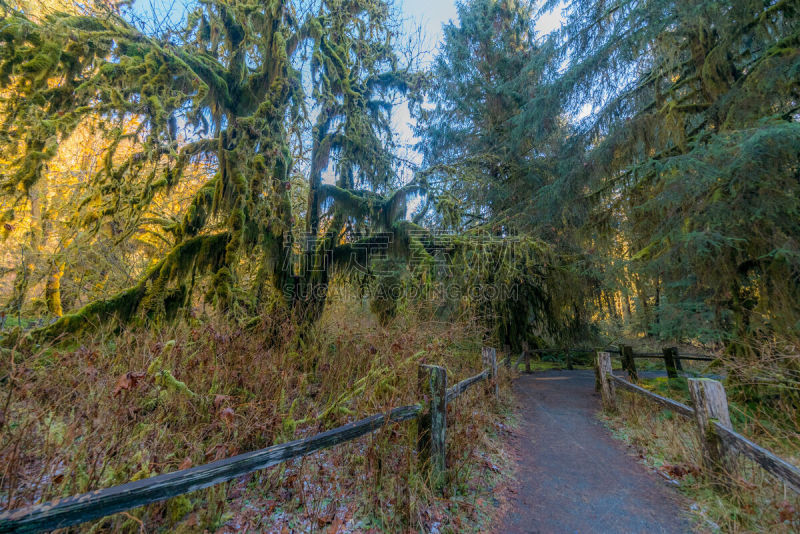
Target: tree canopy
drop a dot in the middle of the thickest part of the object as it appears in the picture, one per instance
(225, 93)
(646, 153)
(691, 157)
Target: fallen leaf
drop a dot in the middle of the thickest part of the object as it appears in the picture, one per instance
(680, 470)
(335, 526)
(786, 511)
(127, 381)
(185, 464)
(219, 400)
(227, 415)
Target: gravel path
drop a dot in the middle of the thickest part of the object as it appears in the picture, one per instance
(573, 475)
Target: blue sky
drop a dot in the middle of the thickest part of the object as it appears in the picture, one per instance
(433, 13)
(429, 14)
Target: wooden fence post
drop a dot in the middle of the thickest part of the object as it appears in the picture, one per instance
(507, 350)
(628, 363)
(489, 356)
(711, 403)
(670, 360)
(526, 357)
(596, 372)
(623, 358)
(433, 426)
(678, 364)
(603, 366)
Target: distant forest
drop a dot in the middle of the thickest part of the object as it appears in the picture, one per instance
(644, 158)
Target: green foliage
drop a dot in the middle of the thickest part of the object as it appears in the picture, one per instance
(490, 165)
(387, 290)
(693, 159)
(488, 71)
(224, 91)
(522, 288)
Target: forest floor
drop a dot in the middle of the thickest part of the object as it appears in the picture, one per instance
(573, 476)
(116, 406)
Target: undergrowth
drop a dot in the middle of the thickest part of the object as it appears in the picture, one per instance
(123, 406)
(668, 443)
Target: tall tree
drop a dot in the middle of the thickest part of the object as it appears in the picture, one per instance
(483, 161)
(692, 154)
(356, 75)
(219, 91)
(490, 136)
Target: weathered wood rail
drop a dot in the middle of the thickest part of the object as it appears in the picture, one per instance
(710, 413)
(78, 509)
(666, 402)
(672, 358)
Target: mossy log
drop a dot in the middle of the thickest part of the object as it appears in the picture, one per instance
(205, 251)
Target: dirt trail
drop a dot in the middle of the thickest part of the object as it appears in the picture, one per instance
(573, 476)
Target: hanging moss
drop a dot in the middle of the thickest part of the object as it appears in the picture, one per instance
(204, 251)
(387, 290)
(221, 290)
(78, 70)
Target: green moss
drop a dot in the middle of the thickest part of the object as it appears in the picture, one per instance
(150, 293)
(56, 429)
(178, 508)
(166, 379)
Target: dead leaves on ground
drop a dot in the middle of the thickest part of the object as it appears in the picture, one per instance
(678, 471)
(786, 512)
(127, 382)
(219, 400)
(227, 416)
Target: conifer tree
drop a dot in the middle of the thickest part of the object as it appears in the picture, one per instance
(485, 163)
(692, 157)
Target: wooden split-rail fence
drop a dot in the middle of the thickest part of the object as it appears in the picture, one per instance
(720, 443)
(672, 358)
(710, 412)
(431, 427)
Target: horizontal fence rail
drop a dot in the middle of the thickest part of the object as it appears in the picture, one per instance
(660, 355)
(663, 401)
(713, 422)
(773, 464)
(100, 503)
(464, 385)
(692, 356)
(69, 511)
(584, 351)
(672, 358)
